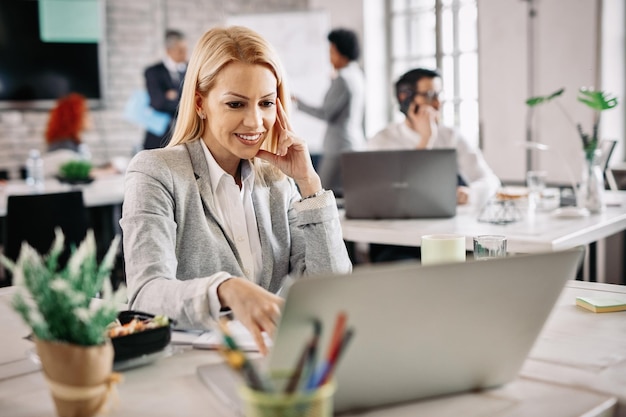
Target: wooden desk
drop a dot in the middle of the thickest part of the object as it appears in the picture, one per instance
(170, 387)
(106, 191)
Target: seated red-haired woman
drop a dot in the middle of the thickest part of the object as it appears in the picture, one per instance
(69, 118)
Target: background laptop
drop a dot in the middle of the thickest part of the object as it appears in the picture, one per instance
(420, 331)
(399, 184)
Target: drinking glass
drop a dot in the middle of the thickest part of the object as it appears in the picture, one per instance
(489, 246)
(536, 183)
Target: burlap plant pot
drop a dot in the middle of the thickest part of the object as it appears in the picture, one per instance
(80, 378)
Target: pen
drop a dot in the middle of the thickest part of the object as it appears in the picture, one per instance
(305, 359)
(332, 365)
(335, 342)
(237, 359)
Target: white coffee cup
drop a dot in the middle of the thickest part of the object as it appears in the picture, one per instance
(442, 248)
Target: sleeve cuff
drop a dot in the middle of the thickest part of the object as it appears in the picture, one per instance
(327, 198)
(214, 301)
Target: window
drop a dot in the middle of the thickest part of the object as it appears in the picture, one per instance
(440, 34)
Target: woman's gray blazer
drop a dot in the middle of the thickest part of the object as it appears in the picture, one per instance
(175, 247)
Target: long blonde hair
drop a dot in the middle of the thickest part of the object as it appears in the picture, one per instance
(218, 47)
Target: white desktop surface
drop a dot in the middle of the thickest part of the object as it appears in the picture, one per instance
(103, 191)
(170, 386)
(582, 349)
(539, 233)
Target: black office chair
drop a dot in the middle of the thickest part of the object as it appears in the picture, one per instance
(33, 218)
(606, 147)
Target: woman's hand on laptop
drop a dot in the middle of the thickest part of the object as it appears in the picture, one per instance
(256, 308)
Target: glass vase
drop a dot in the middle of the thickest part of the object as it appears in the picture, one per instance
(591, 192)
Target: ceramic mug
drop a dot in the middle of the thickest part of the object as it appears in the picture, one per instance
(442, 248)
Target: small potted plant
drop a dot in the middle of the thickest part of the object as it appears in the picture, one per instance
(592, 186)
(68, 324)
(75, 172)
(596, 100)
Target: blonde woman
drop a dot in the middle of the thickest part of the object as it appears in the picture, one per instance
(221, 216)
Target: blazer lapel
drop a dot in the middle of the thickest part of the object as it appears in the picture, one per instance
(261, 199)
(201, 171)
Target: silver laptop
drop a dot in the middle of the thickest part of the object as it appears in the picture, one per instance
(420, 331)
(399, 184)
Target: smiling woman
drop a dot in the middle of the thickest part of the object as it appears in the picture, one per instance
(216, 220)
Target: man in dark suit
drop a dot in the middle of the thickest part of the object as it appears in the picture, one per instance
(164, 82)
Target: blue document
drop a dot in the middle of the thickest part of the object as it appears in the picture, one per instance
(139, 112)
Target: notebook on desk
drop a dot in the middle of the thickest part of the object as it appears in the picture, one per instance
(420, 331)
(400, 184)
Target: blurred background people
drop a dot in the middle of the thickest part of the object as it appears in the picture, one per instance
(68, 119)
(342, 109)
(418, 93)
(164, 83)
(67, 122)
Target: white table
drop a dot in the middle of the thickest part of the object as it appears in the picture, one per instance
(539, 233)
(105, 191)
(581, 349)
(170, 386)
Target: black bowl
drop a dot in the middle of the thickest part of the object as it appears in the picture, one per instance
(140, 343)
(74, 181)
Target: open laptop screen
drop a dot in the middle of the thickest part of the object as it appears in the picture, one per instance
(400, 184)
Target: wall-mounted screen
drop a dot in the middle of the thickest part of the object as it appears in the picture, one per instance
(34, 73)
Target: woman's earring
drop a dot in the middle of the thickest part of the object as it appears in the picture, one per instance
(202, 116)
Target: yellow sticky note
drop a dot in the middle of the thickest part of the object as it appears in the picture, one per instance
(602, 304)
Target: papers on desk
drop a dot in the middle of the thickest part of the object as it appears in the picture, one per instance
(213, 339)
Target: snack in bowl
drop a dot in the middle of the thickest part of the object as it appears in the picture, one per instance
(135, 333)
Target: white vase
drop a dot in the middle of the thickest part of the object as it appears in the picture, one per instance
(591, 191)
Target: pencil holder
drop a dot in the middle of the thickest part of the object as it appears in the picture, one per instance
(317, 403)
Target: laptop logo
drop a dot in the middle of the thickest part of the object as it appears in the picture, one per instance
(400, 184)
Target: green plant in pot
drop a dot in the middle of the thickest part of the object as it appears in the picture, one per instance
(77, 170)
(68, 323)
(597, 100)
(590, 192)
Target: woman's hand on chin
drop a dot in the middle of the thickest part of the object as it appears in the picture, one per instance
(292, 155)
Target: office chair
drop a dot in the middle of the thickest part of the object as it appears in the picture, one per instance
(606, 150)
(33, 218)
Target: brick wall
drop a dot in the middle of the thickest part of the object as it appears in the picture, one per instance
(134, 40)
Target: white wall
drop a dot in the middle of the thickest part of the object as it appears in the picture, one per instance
(614, 74)
(566, 37)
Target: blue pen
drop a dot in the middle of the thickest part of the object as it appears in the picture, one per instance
(309, 371)
(347, 336)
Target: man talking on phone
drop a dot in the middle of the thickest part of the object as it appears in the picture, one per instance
(419, 93)
(419, 96)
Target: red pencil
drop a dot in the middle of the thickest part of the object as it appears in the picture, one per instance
(335, 342)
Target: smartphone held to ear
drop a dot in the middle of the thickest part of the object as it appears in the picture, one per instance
(406, 94)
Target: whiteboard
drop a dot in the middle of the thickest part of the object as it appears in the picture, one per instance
(300, 39)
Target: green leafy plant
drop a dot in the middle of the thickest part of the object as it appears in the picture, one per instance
(58, 304)
(597, 100)
(75, 170)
